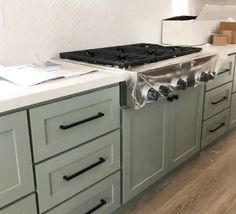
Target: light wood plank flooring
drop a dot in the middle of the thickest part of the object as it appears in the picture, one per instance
(206, 185)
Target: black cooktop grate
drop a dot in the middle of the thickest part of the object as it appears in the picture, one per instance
(129, 55)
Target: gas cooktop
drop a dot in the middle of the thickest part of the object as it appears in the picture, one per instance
(129, 55)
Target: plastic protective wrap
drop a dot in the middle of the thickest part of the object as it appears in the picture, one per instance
(150, 85)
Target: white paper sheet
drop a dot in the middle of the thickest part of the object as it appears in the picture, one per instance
(29, 75)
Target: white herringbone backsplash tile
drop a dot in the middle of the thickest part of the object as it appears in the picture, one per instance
(46, 27)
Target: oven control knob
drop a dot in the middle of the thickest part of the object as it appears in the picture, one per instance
(153, 95)
(190, 80)
(212, 75)
(170, 99)
(164, 90)
(176, 97)
(179, 84)
(203, 77)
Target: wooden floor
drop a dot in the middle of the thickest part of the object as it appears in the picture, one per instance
(206, 185)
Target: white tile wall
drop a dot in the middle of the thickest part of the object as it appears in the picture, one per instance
(221, 2)
(46, 27)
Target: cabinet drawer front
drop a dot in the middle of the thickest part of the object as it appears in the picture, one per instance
(225, 73)
(217, 100)
(232, 123)
(16, 177)
(215, 127)
(25, 206)
(103, 198)
(62, 125)
(68, 174)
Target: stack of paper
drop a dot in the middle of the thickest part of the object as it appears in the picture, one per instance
(29, 75)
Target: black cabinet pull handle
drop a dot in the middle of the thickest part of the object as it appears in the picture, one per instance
(70, 177)
(224, 71)
(221, 100)
(102, 203)
(64, 127)
(220, 126)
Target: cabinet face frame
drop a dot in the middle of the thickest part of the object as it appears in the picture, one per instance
(16, 161)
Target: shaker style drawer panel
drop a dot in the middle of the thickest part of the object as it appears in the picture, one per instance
(217, 100)
(225, 73)
(215, 127)
(16, 172)
(62, 125)
(102, 198)
(232, 120)
(66, 175)
(25, 206)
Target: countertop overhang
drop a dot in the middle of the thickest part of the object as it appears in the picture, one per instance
(14, 97)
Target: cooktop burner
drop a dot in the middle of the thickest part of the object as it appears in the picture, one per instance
(129, 55)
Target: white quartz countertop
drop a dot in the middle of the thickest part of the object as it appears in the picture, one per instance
(15, 97)
(222, 50)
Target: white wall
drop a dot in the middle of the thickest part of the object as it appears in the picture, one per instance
(46, 27)
(221, 2)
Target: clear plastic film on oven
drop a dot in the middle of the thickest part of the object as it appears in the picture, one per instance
(154, 84)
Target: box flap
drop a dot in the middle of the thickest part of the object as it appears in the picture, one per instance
(217, 12)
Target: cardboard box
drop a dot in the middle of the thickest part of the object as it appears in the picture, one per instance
(219, 40)
(229, 26)
(233, 40)
(189, 30)
(228, 34)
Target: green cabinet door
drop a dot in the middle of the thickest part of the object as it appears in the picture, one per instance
(16, 171)
(144, 147)
(185, 126)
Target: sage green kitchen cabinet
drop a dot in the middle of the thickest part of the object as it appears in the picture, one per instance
(145, 137)
(232, 120)
(215, 127)
(64, 176)
(225, 73)
(62, 125)
(16, 177)
(217, 100)
(24, 206)
(185, 126)
(159, 137)
(101, 198)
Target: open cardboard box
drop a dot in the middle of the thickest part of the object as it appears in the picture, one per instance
(229, 27)
(195, 30)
